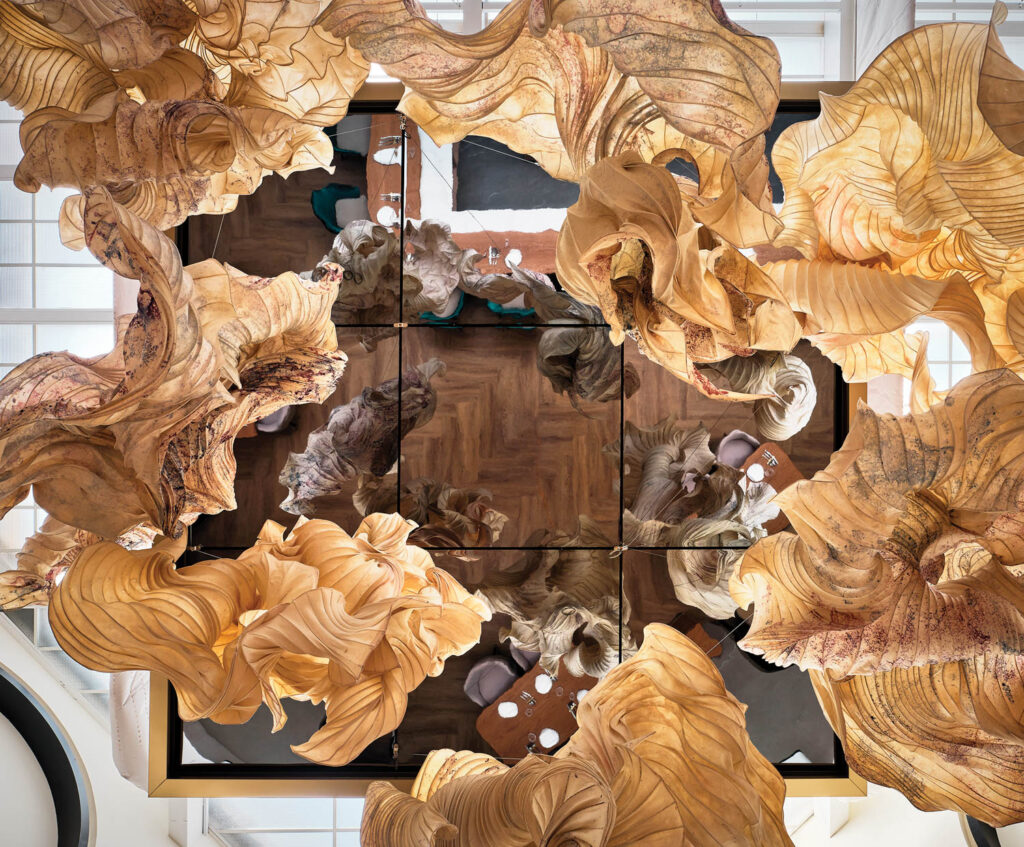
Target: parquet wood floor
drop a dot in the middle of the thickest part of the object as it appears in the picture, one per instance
(500, 425)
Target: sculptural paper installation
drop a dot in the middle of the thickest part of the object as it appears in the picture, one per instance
(631, 246)
(902, 594)
(361, 437)
(445, 516)
(786, 378)
(564, 604)
(376, 287)
(356, 621)
(175, 108)
(915, 175)
(676, 495)
(661, 756)
(364, 263)
(147, 429)
(549, 80)
(46, 555)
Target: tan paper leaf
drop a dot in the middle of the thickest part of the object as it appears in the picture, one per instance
(1015, 320)
(902, 595)
(837, 297)
(355, 621)
(866, 587)
(124, 33)
(43, 67)
(570, 87)
(631, 247)
(728, 76)
(174, 109)
(538, 801)
(661, 757)
(147, 429)
(1001, 88)
(947, 736)
(916, 172)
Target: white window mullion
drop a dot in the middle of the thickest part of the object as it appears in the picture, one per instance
(472, 16)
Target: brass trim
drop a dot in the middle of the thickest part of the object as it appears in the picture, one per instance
(852, 786)
(811, 90)
(157, 734)
(855, 392)
(162, 786)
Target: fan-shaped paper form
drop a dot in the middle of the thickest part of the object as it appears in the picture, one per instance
(355, 621)
(631, 247)
(54, 547)
(174, 108)
(45, 554)
(787, 378)
(446, 516)
(144, 433)
(361, 437)
(661, 757)
(539, 801)
(571, 83)
(915, 175)
(564, 604)
(902, 592)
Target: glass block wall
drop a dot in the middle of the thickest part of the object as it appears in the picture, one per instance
(51, 298)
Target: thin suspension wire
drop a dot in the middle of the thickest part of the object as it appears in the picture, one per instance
(474, 325)
(401, 336)
(720, 640)
(518, 157)
(622, 485)
(437, 170)
(216, 241)
(401, 316)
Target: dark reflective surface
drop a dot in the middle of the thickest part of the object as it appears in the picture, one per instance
(528, 417)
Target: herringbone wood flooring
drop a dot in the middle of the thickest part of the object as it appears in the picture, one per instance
(500, 425)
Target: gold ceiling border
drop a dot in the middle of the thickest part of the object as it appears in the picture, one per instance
(162, 785)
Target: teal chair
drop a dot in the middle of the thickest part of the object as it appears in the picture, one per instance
(324, 200)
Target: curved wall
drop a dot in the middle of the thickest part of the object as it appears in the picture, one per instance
(26, 806)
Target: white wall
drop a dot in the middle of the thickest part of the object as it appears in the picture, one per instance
(26, 806)
(884, 817)
(122, 813)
